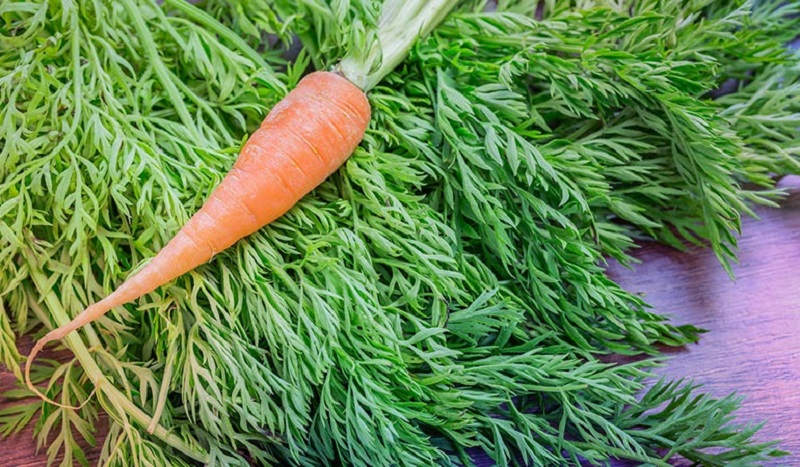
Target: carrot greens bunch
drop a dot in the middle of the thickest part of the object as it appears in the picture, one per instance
(439, 299)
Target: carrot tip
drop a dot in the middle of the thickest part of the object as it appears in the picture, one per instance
(31, 357)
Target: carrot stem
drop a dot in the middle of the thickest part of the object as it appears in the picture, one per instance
(158, 65)
(163, 392)
(401, 25)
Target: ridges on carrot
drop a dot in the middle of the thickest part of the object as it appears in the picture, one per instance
(305, 138)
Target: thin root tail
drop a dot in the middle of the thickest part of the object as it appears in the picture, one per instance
(34, 352)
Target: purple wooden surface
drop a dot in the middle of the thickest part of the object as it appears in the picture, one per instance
(752, 347)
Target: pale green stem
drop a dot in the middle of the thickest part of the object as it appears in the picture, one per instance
(159, 68)
(163, 392)
(401, 24)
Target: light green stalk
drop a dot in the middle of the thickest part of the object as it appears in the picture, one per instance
(160, 69)
(402, 24)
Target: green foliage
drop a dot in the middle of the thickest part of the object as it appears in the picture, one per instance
(444, 291)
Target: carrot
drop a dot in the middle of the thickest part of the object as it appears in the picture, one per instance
(305, 138)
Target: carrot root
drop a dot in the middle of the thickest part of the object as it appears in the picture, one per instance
(306, 137)
(49, 337)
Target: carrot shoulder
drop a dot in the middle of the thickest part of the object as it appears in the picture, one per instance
(305, 138)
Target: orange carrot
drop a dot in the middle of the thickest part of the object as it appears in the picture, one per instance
(305, 138)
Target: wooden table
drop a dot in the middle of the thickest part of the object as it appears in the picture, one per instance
(753, 346)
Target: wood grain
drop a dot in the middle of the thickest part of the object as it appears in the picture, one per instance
(753, 347)
(753, 344)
